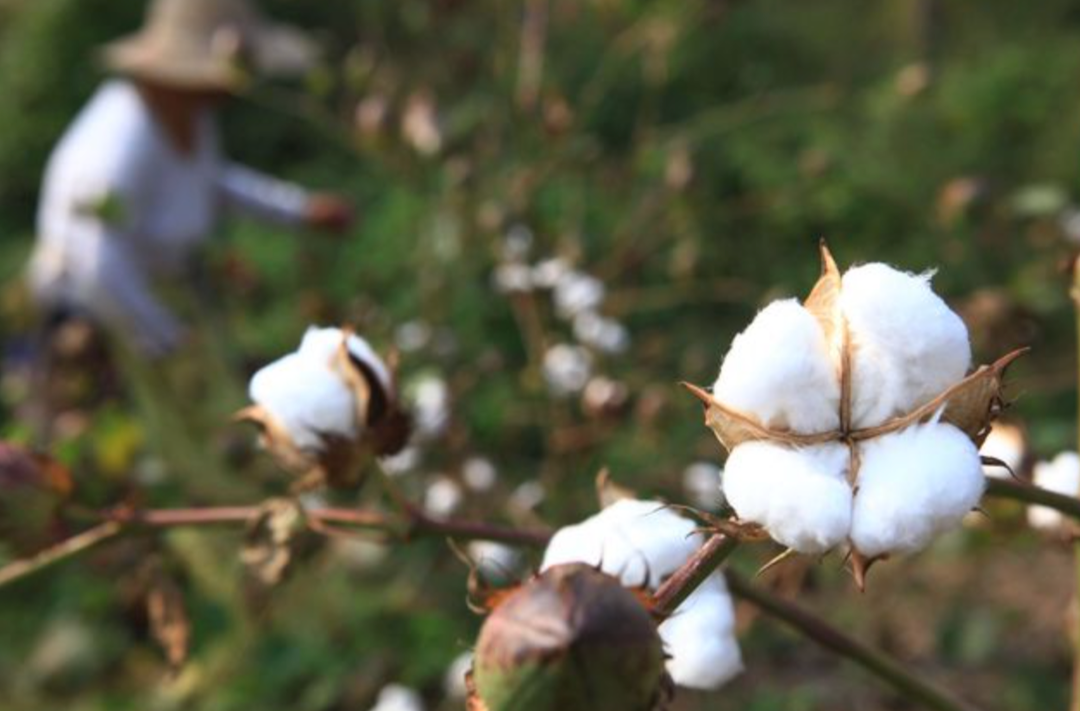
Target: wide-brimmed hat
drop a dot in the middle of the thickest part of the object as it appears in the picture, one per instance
(208, 44)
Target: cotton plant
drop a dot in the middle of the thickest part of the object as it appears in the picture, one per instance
(326, 408)
(851, 417)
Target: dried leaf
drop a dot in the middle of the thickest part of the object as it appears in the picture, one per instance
(823, 302)
(268, 550)
(970, 405)
(167, 614)
(276, 439)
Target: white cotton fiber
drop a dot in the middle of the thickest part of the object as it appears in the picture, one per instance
(801, 496)
(913, 485)
(322, 343)
(306, 397)
(1060, 475)
(908, 345)
(779, 370)
(700, 637)
(641, 542)
(395, 697)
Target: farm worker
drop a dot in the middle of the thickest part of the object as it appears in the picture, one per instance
(139, 179)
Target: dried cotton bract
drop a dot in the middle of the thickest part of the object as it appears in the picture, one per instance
(849, 417)
(323, 407)
(642, 542)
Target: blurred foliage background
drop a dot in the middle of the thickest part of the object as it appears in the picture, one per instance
(689, 154)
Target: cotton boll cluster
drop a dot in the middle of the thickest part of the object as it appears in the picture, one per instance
(1060, 475)
(819, 405)
(780, 370)
(908, 346)
(641, 543)
(1007, 444)
(395, 697)
(913, 485)
(801, 496)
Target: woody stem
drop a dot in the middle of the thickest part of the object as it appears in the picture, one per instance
(1074, 704)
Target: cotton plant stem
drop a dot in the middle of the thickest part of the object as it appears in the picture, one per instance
(415, 524)
(1074, 704)
(881, 665)
(1031, 494)
(693, 573)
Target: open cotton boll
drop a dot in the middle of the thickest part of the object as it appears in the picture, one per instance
(1060, 475)
(700, 638)
(640, 542)
(779, 370)
(307, 398)
(322, 343)
(801, 496)
(395, 697)
(913, 485)
(908, 345)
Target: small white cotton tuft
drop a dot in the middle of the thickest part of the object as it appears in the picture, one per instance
(640, 542)
(395, 697)
(454, 682)
(779, 370)
(908, 345)
(700, 637)
(1060, 475)
(307, 398)
(913, 485)
(1006, 444)
(801, 496)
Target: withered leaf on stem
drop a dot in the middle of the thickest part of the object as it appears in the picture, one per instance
(269, 545)
(166, 612)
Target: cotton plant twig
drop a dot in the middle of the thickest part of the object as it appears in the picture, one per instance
(881, 665)
(66, 549)
(1031, 494)
(693, 573)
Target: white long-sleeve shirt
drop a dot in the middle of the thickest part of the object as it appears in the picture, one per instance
(121, 206)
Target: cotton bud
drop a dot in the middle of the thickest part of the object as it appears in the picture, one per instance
(1060, 475)
(33, 488)
(323, 406)
(907, 345)
(780, 371)
(642, 542)
(571, 639)
(1007, 444)
(800, 495)
(913, 485)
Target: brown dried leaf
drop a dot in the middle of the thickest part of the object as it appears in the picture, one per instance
(824, 299)
(167, 614)
(733, 428)
(970, 405)
(275, 438)
(268, 550)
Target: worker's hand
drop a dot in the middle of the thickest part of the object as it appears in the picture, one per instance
(328, 212)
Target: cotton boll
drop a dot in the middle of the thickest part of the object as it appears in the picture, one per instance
(1004, 443)
(443, 496)
(323, 343)
(497, 561)
(914, 485)
(779, 370)
(641, 542)
(307, 398)
(567, 369)
(701, 482)
(395, 697)
(700, 638)
(801, 496)
(1061, 475)
(908, 345)
(575, 292)
(454, 682)
(479, 474)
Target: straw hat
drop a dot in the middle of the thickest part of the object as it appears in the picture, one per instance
(208, 44)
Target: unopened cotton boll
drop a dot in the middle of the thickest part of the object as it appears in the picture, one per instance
(395, 697)
(779, 370)
(908, 346)
(640, 542)
(800, 495)
(700, 638)
(913, 485)
(1060, 475)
